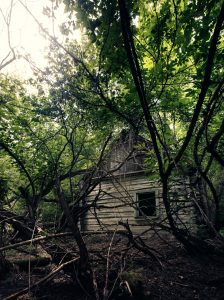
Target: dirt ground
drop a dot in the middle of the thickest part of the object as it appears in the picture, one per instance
(131, 274)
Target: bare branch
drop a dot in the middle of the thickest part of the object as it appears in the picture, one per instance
(6, 60)
(204, 88)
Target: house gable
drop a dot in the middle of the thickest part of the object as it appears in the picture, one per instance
(130, 195)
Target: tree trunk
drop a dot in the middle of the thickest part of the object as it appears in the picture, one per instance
(84, 273)
(4, 264)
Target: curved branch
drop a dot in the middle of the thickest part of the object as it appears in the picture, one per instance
(137, 77)
(204, 88)
(20, 164)
(212, 145)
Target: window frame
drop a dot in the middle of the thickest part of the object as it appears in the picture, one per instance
(136, 199)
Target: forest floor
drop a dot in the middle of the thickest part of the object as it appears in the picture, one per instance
(175, 276)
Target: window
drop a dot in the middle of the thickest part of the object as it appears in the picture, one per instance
(146, 204)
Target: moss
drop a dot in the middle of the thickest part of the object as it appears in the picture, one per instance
(131, 277)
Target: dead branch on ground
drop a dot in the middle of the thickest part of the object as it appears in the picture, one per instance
(140, 246)
(35, 240)
(41, 281)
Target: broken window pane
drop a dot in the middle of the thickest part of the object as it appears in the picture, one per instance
(147, 204)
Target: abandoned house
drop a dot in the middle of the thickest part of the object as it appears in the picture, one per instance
(131, 192)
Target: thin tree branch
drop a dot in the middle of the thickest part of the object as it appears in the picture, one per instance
(204, 88)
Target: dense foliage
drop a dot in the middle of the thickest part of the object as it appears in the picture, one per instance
(152, 67)
(157, 68)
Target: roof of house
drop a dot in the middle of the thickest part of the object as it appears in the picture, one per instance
(127, 154)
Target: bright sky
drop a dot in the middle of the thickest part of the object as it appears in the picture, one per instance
(25, 35)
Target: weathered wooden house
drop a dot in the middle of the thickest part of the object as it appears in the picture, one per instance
(131, 193)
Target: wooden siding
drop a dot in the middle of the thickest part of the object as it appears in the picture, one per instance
(115, 201)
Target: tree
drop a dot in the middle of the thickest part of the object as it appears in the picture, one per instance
(51, 144)
(142, 66)
(152, 62)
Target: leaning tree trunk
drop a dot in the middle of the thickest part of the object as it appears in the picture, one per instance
(84, 272)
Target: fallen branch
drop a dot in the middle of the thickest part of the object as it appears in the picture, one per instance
(17, 222)
(41, 281)
(141, 247)
(35, 240)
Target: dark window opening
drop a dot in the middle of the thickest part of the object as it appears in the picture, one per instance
(146, 204)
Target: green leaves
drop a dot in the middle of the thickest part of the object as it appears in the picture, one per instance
(87, 91)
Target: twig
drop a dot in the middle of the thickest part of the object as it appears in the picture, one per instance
(6, 60)
(29, 265)
(105, 291)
